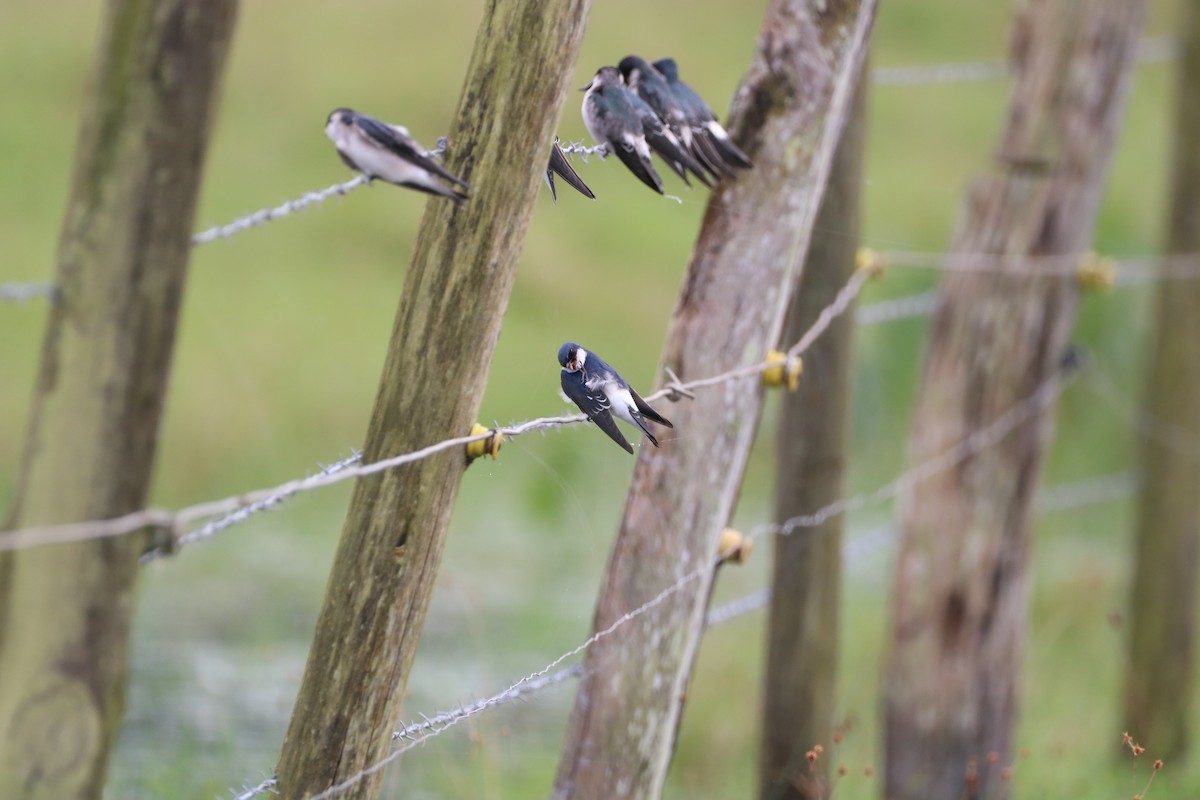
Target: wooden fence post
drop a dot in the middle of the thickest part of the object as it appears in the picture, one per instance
(65, 610)
(455, 294)
(788, 116)
(1160, 672)
(960, 597)
(802, 631)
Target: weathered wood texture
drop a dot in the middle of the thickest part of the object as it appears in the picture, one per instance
(458, 284)
(960, 597)
(787, 115)
(1160, 678)
(802, 631)
(65, 610)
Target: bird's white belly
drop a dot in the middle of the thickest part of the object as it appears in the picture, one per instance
(591, 124)
(620, 401)
(379, 163)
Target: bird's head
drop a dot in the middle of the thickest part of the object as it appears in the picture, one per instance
(337, 120)
(668, 68)
(572, 357)
(631, 66)
(605, 76)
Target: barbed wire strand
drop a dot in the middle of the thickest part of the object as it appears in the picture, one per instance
(251, 792)
(980, 439)
(1150, 51)
(215, 526)
(265, 215)
(174, 521)
(23, 292)
(1131, 270)
(1088, 491)
(1096, 490)
(1165, 433)
(921, 304)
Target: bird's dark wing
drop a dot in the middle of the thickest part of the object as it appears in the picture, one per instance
(642, 169)
(595, 405)
(559, 165)
(729, 151)
(393, 140)
(653, 88)
(615, 117)
(647, 411)
(706, 152)
(663, 141)
(694, 107)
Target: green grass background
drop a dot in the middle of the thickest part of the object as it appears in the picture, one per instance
(282, 338)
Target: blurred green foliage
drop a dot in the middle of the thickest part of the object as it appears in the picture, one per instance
(284, 329)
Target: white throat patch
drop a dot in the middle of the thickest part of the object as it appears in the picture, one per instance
(580, 357)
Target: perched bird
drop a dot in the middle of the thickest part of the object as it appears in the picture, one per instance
(613, 122)
(379, 150)
(662, 140)
(649, 84)
(559, 165)
(700, 116)
(600, 393)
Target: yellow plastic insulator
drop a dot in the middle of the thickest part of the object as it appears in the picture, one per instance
(734, 546)
(869, 261)
(484, 447)
(1095, 273)
(782, 370)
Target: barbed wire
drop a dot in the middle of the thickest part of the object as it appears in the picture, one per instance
(251, 792)
(1150, 51)
(265, 215)
(215, 526)
(22, 292)
(1165, 433)
(1088, 491)
(173, 522)
(583, 151)
(1126, 271)
(1015, 416)
(737, 608)
(898, 308)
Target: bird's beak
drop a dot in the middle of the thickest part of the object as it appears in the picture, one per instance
(585, 88)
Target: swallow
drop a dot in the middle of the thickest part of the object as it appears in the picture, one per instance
(613, 122)
(700, 117)
(379, 150)
(600, 393)
(647, 83)
(666, 144)
(561, 166)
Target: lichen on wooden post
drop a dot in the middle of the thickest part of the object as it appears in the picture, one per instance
(787, 116)
(463, 265)
(65, 610)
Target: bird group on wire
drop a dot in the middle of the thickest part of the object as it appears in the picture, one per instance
(632, 110)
